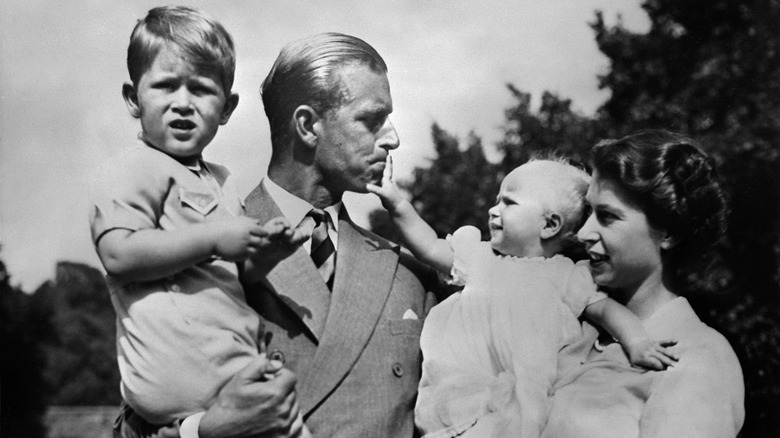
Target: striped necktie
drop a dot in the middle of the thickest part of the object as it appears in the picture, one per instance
(323, 253)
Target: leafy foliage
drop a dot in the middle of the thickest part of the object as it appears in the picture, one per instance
(458, 188)
(75, 325)
(21, 367)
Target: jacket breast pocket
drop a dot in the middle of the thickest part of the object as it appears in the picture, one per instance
(408, 327)
(203, 203)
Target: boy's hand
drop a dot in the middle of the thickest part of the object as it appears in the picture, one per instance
(387, 193)
(279, 232)
(276, 241)
(237, 239)
(652, 355)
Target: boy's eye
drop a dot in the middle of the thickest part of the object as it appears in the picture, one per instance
(201, 89)
(165, 85)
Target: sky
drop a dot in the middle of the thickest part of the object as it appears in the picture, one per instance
(62, 66)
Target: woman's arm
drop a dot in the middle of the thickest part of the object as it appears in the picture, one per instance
(627, 328)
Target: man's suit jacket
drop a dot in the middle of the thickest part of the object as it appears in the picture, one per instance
(356, 349)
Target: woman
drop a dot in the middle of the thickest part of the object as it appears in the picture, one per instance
(655, 205)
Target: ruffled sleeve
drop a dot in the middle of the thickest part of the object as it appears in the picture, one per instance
(470, 254)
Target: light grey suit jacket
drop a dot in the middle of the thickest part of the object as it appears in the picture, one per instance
(356, 355)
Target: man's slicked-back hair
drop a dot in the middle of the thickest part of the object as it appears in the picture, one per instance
(194, 35)
(304, 74)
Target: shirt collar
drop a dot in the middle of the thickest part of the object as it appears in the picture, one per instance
(294, 208)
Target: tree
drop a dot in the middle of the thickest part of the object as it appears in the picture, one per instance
(75, 325)
(459, 186)
(23, 391)
(555, 128)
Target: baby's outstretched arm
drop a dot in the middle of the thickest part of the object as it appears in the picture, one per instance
(151, 254)
(626, 327)
(418, 236)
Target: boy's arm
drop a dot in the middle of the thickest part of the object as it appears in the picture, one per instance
(151, 254)
(417, 235)
(627, 328)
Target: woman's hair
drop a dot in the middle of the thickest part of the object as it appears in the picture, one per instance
(672, 181)
(303, 74)
(197, 37)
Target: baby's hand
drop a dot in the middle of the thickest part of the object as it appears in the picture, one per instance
(652, 355)
(236, 239)
(387, 193)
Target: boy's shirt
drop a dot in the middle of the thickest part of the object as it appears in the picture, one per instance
(179, 339)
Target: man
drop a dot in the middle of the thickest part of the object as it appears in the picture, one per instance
(345, 310)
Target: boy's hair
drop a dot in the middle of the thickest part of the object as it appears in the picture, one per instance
(305, 74)
(196, 36)
(570, 187)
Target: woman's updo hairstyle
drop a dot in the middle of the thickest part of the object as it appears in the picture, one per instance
(672, 181)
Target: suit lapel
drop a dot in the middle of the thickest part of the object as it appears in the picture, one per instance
(295, 280)
(365, 268)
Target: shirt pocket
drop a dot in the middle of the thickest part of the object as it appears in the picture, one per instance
(408, 327)
(202, 202)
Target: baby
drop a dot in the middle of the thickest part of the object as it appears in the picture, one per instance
(490, 351)
(169, 226)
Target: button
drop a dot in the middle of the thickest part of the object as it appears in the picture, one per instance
(176, 288)
(398, 370)
(277, 355)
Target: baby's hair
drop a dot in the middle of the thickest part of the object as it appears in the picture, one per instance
(672, 181)
(570, 188)
(195, 35)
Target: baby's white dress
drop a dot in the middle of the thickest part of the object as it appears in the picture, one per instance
(490, 351)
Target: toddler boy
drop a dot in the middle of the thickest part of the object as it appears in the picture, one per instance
(169, 226)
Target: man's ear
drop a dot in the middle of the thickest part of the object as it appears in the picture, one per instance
(305, 118)
(553, 225)
(131, 99)
(230, 105)
(669, 241)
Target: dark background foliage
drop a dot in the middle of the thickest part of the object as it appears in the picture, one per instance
(709, 69)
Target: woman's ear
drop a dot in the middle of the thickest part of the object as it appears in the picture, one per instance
(230, 105)
(552, 226)
(131, 99)
(669, 241)
(305, 118)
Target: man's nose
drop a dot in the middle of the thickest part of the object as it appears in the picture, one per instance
(389, 137)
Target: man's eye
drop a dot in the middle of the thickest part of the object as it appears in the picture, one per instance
(373, 123)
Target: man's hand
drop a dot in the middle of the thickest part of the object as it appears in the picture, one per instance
(387, 193)
(254, 404)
